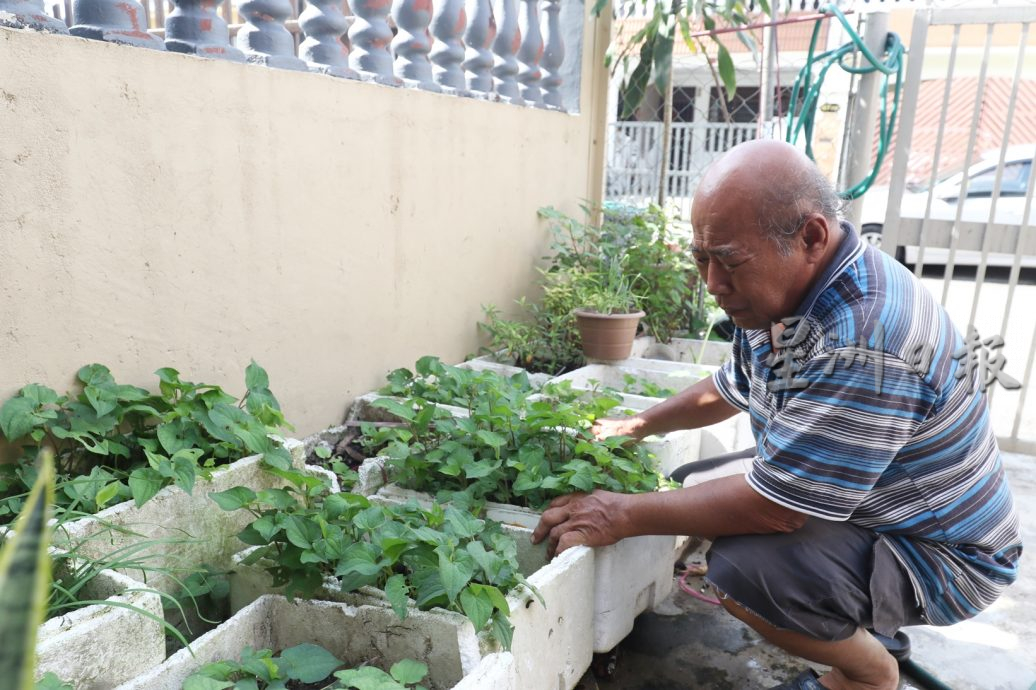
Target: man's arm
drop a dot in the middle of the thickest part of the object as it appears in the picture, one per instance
(697, 406)
(715, 508)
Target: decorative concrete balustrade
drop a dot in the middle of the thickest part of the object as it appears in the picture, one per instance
(506, 50)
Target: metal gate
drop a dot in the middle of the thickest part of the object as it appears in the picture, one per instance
(634, 158)
(977, 223)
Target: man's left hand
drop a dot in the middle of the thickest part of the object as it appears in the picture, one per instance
(595, 519)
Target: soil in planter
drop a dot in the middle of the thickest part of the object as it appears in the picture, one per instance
(204, 603)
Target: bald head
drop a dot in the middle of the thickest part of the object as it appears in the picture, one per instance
(776, 179)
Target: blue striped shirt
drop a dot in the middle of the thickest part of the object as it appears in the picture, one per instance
(861, 416)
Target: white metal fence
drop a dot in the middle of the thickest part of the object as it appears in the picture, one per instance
(634, 158)
(980, 222)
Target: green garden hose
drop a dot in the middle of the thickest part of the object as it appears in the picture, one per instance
(809, 89)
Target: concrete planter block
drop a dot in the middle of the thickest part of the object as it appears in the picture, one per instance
(629, 577)
(208, 534)
(489, 363)
(676, 376)
(354, 634)
(708, 352)
(97, 647)
(552, 645)
(363, 410)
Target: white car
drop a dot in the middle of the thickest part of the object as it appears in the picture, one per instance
(974, 212)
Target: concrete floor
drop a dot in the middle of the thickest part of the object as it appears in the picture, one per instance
(687, 644)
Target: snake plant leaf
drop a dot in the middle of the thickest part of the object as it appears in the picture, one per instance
(24, 580)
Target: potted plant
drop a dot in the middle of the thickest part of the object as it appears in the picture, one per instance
(608, 320)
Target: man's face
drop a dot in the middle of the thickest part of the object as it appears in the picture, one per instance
(742, 267)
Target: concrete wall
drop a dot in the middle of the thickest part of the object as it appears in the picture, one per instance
(165, 210)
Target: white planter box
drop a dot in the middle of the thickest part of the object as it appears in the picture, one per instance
(629, 577)
(552, 645)
(98, 647)
(363, 410)
(489, 363)
(354, 634)
(674, 375)
(198, 531)
(715, 353)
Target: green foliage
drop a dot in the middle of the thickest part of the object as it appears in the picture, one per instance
(50, 681)
(640, 386)
(24, 572)
(116, 442)
(302, 664)
(510, 449)
(650, 49)
(436, 382)
(631, 261)
(441, 557)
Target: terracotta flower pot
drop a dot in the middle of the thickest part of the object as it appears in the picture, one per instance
(607, 336)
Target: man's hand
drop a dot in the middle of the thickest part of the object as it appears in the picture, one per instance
(618, 426)
(596, 519)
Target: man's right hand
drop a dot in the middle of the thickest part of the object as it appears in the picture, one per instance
(618, 426)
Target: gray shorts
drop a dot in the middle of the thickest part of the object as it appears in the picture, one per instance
(824, 580)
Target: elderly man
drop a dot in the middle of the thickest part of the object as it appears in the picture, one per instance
(876, 497)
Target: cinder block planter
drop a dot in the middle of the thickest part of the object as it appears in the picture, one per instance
(196, 530)
(673, 375)
(364, 410)
(552, 645)
(629, 578)
(355, 634)
(709, 352)
(491, 363)
(98, 647)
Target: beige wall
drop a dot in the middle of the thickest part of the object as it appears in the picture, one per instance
(164, 210)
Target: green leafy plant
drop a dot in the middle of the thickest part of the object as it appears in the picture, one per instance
(641, 386)
(436, 382)
(510, 449)
(24, 572)
(441, 557)
(50, 681)
(115, 442)
(632, 260)
(303, 664)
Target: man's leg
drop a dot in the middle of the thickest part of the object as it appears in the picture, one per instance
(810, 593)
(858, 662)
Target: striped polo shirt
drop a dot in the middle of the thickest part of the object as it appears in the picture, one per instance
(859, 414)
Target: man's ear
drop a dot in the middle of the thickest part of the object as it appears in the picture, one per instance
(815, 236)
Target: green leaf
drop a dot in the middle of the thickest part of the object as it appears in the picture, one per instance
(454, 576)
(370, 519)
(503, 630)
(110, 491)
(301, 531)
(50, 681)
(185, 469)
(256, 377)
(491, 438)
(234, 498)
(396, 591)
(24, 579)
(368, 678)
(478, 608)
(397, 408)
(280, 499)
(197, 682)
(95, 375)
(307, 663)
(726, 70)
(408, 671)
(144, 483)
(16, 418)
(496, 597)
